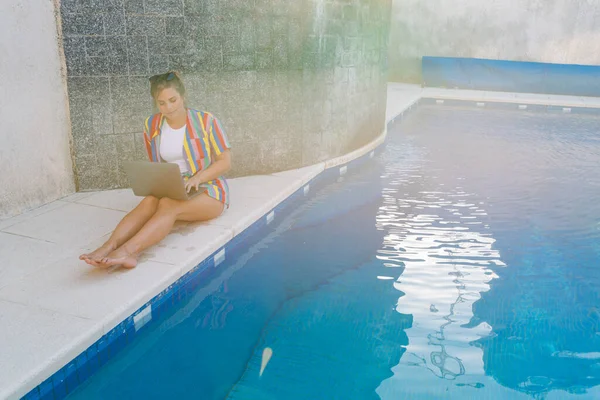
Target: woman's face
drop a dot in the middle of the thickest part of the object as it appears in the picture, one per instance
(170, 102)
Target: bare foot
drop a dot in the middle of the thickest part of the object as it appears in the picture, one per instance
(119, 257)
(97, 255)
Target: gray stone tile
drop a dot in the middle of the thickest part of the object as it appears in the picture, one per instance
(101, 115)
(195, 46)
(134, 6)
(247, 35)
(74, 48)
(83, 23)
(164, 7)
(211, 27)
(231, 44)
(242, 5)
(86, 163)
(83, 143)
(121, 179)
(229, 25)
(138, 25)
(137, 55)
(87, 87)
(165, 45)
(107, 179)
(97, 66)
(213, 45)
(93, 6)
(131, 119)
(118, 65)
(192, 27)
(114, 5)
(114, 23)
(263, 33)
(70, 6)
(106, 147)
(140, 147)
(237, 62)
(125, 143)
(88, 180)
(264, 60)
(174, 26)
(158, 65)
(185, 63)
(96, 46)
(280, 55)
(193, 7)
(212, 6)
(280, 26)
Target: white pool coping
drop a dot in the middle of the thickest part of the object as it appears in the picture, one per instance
(53, 306)
(491, 96)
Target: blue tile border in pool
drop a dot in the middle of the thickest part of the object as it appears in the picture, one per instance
(511, 76)
(78, 370)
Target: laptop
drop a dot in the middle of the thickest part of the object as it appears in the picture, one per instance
(157, 179)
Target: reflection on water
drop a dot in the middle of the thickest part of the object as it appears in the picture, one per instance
(437, 243)
(493, 234)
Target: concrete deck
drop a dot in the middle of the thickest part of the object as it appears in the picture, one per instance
(53, 306)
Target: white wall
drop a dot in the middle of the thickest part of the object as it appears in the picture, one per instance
(35, 160)
(553, 31)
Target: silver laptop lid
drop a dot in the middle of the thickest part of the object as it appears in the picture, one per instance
(155, 179)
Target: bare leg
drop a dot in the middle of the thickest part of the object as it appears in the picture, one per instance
(200, 208)
(129, 226)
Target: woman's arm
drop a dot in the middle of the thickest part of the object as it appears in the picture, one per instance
(220, 165)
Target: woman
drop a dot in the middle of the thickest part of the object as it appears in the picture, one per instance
(194, 141)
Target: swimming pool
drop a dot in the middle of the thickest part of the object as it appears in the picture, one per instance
(458, 263)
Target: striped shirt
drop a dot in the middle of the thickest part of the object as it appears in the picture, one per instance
(204, 139)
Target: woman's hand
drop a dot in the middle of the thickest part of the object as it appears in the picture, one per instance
(193, 183)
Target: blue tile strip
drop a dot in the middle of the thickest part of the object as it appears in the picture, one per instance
(68, 378)
(511, 76)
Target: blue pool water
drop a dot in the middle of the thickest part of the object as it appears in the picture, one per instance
(462, 262)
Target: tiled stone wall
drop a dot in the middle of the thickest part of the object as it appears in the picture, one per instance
(293, 82)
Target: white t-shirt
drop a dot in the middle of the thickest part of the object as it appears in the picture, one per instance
(171, 146)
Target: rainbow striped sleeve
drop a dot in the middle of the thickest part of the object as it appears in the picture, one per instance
(218, 138)
(147, 140)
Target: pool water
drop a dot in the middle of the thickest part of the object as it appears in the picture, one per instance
(461, 262)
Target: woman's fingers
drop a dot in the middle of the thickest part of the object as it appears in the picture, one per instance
(189, 185)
